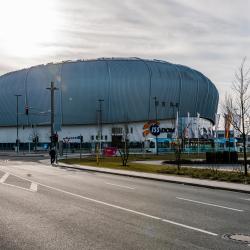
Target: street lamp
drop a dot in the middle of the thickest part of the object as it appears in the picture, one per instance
(17, 122)
(100, 124)
(156, 122)
(52, 89)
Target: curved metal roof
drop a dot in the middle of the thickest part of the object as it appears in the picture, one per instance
(127, 86)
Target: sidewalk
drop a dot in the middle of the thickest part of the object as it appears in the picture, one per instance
(223, 167)
(166, 178)
(23, 153)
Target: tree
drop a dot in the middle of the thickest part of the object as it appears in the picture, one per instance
(178, 149)
(237, 105)
(124, 146)
(35, 138)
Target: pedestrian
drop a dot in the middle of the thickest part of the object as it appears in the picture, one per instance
(52, 154)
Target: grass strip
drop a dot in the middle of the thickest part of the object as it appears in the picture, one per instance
(200, 173)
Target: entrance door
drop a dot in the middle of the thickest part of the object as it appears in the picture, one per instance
(116, 140)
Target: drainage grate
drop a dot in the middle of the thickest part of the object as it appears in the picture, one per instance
(241, 238)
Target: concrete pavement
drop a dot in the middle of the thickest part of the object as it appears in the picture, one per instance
(24, 153)
(74, 209)
(158, 177)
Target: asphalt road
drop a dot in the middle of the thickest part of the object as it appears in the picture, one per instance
(45, 207)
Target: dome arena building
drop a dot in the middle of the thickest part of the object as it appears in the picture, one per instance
(104, 99)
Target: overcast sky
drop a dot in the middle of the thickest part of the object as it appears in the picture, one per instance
(211, 36)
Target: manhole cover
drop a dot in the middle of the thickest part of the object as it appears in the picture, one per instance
(241, 238)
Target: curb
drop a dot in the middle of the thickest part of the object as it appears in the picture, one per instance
(157, 179)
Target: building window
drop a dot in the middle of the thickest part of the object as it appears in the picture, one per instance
(92, 137)
(106, 137)
(117, 131)
(96, 137)
(131, 130)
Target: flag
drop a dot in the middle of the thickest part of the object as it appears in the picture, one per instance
(228, 120)
(217, 120)
(198, 124)
(186, 132)
(176, 124)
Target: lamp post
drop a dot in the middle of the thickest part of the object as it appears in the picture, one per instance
(52, 89)
(17, 122)
(198, 133)
(100, 125)
(156, 122)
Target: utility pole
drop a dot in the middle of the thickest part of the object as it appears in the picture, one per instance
(156, 122)
(100, 125)
(17, 122)
(198, 130)
(52, 89)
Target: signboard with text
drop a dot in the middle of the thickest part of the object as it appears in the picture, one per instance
(154, 128)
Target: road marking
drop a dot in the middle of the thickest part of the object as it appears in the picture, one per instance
(26, 189)
(128, 210)
(123, 208)
(108, 183)
(4, 177)
(245, 199)
(33, 187)
(210, 204)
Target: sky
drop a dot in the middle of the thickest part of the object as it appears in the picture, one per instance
(210, 36)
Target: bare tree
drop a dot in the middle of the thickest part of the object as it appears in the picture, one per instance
(35, 138)
(124, 146)
(237, 105)
(178, 151)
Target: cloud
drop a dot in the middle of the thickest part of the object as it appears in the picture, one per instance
(211, 36)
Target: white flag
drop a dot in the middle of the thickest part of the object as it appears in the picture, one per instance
(198, 125)
(176, 124)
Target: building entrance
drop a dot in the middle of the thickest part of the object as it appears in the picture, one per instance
(116, 140)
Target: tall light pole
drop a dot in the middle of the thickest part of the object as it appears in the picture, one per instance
(100, 124)
(156, 122)
(17, 122)
(52, 89)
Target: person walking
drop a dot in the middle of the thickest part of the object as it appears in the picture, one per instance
(52, 154)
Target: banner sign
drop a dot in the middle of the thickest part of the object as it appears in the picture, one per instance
(154, 128)
(79, 137)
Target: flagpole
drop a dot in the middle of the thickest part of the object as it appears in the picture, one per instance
(188, 131)
(177, 123)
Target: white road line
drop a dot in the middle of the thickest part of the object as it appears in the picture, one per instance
(26, 189)
(4, 177)
(108, 183)
(245, 199)
(124, 209)
(33, 187)
(23, 178)
(129, 210)
(210, 204)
